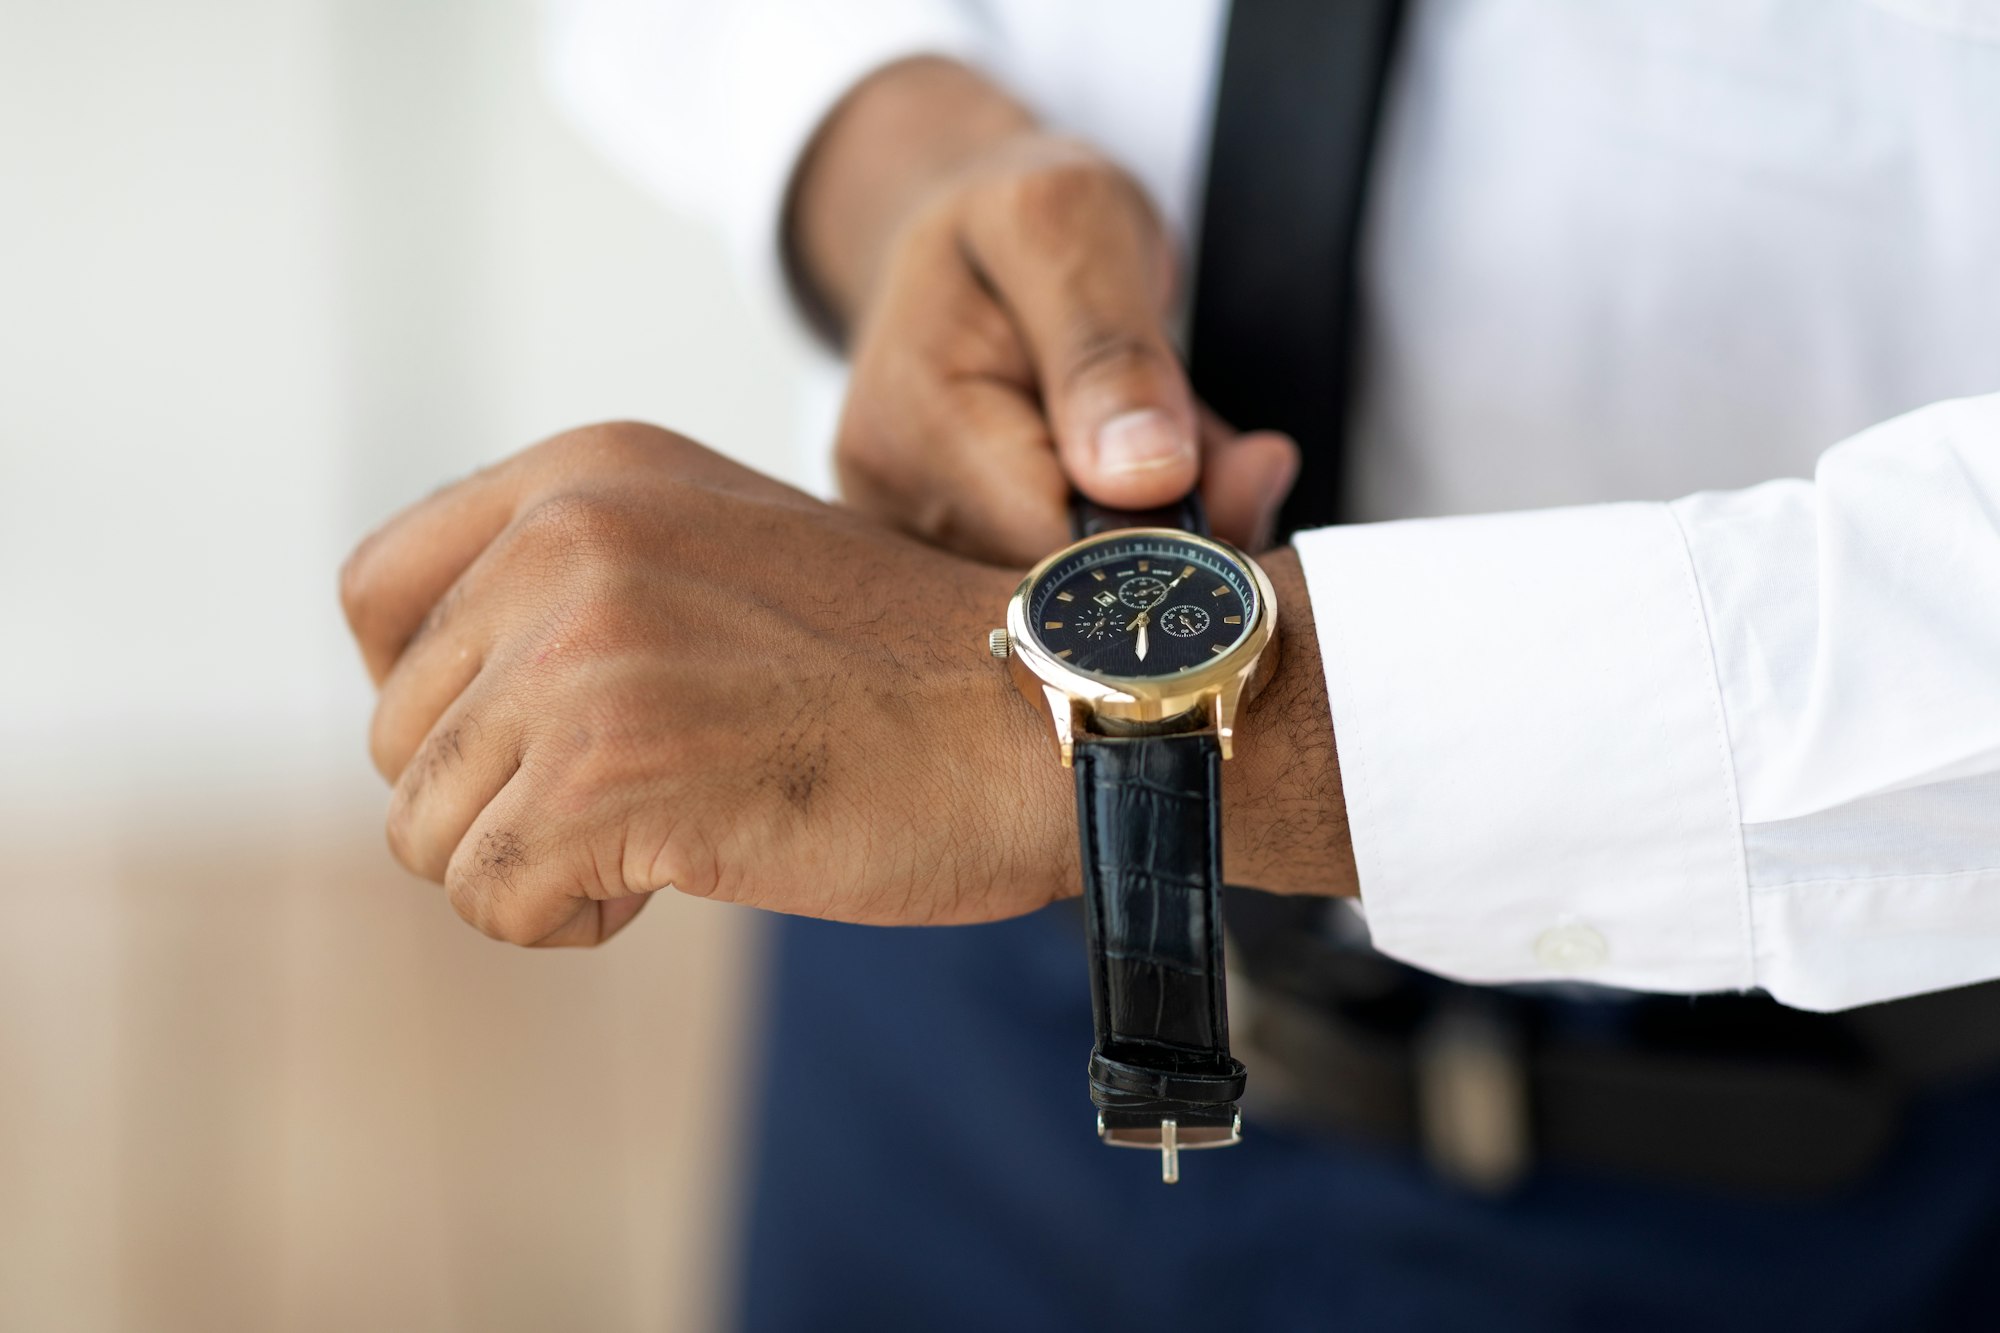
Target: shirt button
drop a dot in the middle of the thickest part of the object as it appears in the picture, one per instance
(1571, 948)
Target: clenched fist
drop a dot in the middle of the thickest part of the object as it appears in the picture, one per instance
(618, 662)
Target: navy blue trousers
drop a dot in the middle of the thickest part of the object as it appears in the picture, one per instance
(923, 1158)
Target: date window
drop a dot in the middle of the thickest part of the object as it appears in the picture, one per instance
(1104, 599)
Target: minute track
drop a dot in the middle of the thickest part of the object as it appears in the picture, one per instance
(1136, 643)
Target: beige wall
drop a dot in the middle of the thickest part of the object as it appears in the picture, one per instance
(267, 269)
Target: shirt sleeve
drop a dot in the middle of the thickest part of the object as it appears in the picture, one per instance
(709, 103)
(1745, 739)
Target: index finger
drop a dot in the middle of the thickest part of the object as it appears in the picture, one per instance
(1079, 261)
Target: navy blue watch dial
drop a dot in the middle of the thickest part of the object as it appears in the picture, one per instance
(1142, 605)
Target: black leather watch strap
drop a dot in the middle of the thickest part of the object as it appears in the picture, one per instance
(1150, 812)
(1149, 809)
(1088, 518)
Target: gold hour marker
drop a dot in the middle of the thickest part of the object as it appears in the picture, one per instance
(1232, 620)
(1067, 652)
(1097, 574)
(1186, 570)
(1219, 591)
(1217, 647)
(1064, 597)
(1052, 624)
(1145, 565)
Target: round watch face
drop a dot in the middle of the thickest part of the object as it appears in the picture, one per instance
(1142, 605)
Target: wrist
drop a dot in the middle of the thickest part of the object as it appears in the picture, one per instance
(1284, 812)
(1008, 775)
(880, 153)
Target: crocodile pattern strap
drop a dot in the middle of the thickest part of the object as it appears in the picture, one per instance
(1150, 811)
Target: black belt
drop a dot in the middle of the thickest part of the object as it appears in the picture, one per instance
(1732, 1092)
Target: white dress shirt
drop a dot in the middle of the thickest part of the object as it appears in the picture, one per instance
(1616, 253)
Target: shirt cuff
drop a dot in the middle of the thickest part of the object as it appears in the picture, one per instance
(1532, 747)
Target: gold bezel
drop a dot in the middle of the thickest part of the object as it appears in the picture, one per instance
(1077, 700)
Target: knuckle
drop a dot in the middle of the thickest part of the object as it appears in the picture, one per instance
(1049, 199)
(630, 443)
(1096, 354)
(485, 883)
(567, 526)
(606, 447)
(604, 614)
(596, 438)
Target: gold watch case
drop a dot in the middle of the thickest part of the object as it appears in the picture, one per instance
(1200, 698)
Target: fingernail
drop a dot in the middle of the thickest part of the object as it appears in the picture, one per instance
(1142, 441)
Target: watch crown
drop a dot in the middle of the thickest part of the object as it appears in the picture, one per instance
(998, 644)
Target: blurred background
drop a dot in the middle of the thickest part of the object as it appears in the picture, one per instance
(267, 271)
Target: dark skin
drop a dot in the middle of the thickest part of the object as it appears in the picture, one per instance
(1005, 293)
(617, 662)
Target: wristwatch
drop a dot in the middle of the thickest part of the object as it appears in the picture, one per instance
(1144, 638)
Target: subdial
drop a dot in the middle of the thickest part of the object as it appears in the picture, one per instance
(1141, 591)
(1097, 628)
(1184, 621)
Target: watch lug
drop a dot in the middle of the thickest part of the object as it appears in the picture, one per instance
(1062, 711)
(1223, 708)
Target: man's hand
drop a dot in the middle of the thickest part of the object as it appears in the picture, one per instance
(617, 662)
(1006, 292)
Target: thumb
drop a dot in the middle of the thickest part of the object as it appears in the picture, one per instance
(1121, 411)
(1135, 458)
(1124, 419)
(1087, 285)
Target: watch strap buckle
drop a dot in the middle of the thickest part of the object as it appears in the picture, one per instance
(1171, 1138)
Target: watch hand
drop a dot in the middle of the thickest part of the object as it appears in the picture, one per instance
(1141, 648)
